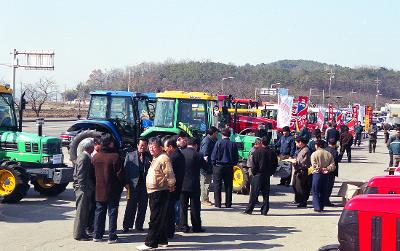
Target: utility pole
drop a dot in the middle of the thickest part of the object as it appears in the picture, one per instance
(14, 66)
(377, 82)
(331, 76)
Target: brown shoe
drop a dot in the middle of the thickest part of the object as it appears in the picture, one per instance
(206, 203)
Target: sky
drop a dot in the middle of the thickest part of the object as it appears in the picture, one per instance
(87, 35)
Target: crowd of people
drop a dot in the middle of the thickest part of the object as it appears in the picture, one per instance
(173, 173)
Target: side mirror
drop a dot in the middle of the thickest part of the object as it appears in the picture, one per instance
(23, 104)
(23, 101)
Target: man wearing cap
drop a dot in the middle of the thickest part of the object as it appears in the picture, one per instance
(224, 156)
(300, 183)
(373, 135)
(286, 150)
(393, 145)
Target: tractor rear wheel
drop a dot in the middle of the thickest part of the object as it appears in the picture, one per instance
(14, 182)
(75, 148)
(48, 188)
(240, 180)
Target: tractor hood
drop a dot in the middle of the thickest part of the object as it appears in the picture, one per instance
(23, 142)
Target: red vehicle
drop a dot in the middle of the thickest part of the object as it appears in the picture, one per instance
(246, 114)
(389, 184)
(369, 222)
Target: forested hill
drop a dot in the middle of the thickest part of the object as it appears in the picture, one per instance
(355, 84)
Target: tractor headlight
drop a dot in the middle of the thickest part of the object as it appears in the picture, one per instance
(46, 159)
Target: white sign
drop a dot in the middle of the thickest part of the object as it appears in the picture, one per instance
(37, 60)
(268, 91)
(285, 104)
(57, 159)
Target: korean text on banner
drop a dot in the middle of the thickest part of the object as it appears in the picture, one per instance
(330, 113)
(320, 119)
(284, 111)
(302, 109)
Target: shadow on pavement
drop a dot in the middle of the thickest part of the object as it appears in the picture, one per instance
(248, 238)
(37, 208)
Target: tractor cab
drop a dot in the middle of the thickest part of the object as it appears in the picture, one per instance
(191, 112)
(124, 115)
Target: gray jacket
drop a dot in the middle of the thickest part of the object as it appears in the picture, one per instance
(84, 173)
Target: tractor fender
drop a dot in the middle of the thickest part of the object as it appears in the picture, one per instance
(102, 126)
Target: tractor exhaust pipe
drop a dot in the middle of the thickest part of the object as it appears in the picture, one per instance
(39, 123)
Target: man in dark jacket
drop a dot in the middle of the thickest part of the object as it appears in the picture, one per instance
(301, 179)
(332, 133)
(331, 176)
(265, 163)
(206, 148)
(136, 165)
(346, 140)
(110, 180)
(305, 133)
(373, 135)
(178, 165)
(287, 149)
(84, 187)
(194, 163)
(224, 156)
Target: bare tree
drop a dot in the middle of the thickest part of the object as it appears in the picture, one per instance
(38, 93)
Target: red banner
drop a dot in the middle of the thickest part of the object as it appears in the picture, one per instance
(320, 119)
(356, 107)
(294, 115)
(330, 113)
(302, 109)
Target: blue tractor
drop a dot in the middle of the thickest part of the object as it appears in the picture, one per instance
(124, 115)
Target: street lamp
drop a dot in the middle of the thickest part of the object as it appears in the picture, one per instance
(222, 82)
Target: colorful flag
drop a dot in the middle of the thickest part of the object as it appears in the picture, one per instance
(330, 113)
(320, 119)
(302, 109)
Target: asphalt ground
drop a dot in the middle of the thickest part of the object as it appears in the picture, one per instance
(40, 223)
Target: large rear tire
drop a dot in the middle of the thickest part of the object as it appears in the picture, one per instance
(241, 182)
(14, 182)
(48, 188)
(74, 147)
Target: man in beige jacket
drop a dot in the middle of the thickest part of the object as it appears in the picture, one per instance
(160, 180)
(322, 163)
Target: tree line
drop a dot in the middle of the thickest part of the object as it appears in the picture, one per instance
(355, 85)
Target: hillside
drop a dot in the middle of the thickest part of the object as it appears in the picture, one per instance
(351, 84)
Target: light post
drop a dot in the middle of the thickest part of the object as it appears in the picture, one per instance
(331, 76)
(222, 82)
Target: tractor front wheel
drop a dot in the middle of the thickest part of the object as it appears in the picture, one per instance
(14, 182)
(48, 188)
(240, 180)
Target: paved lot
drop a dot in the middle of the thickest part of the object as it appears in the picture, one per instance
(39, 223)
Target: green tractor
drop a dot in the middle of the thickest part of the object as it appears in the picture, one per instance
(27, 157)
(193, 113)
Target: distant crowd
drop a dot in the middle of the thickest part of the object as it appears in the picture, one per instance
(172, 174)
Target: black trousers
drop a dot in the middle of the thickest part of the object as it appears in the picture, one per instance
(372, 145)
(171, 216)
(157, 234)
(301, 186)
(195, 208)
(225, 174)
(259, 183)
(286, 181)
(137, 203)
(348, 152)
